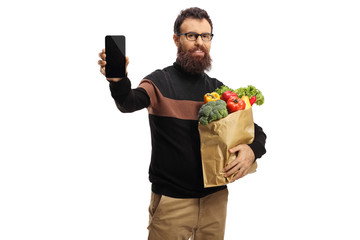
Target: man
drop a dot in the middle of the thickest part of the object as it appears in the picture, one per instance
(180, 206)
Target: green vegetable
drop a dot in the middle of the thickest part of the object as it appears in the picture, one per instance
(212, 111)
(251, 91)
(223, 89)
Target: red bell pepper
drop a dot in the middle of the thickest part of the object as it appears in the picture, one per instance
(235, 103)
(227, 94)
(252, 100)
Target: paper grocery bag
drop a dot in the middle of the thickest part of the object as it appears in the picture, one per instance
(217, 138)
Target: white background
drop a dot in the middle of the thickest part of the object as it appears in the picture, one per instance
(74, 167)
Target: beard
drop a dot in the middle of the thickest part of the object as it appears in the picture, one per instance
(194, 64)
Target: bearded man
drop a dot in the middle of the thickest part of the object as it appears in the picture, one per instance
(180, 207)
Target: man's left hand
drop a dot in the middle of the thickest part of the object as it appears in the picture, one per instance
(242, 163)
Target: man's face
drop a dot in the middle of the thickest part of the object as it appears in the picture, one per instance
(194, 56)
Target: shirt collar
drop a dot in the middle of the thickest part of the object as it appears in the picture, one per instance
(179, 68)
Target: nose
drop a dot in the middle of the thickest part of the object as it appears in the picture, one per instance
(199, 40)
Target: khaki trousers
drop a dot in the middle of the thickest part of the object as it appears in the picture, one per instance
(181, 219)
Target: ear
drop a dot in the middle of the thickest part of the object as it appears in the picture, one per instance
(176, 40)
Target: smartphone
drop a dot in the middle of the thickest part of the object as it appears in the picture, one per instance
(115, 56)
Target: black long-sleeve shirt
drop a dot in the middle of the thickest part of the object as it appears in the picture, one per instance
(173, 99)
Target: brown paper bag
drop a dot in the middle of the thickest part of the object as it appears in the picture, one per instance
(217, 138)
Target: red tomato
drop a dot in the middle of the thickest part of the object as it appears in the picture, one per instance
(234, 104)
(226, 95)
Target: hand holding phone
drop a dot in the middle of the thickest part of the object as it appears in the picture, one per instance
(115, 56)
(102, 64)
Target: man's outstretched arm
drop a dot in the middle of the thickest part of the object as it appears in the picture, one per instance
(126, 99)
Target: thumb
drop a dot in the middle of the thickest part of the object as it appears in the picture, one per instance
(235, 149)
(127, 61)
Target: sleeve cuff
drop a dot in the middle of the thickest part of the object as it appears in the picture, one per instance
(257, 148)
(121, 87)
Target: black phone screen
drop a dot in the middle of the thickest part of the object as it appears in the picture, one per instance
(115, 56)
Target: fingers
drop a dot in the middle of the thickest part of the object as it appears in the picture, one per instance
(240, 170)
(236, 167)
(229, 169)
(237, 148)
(241, 165)
(102, 70)
(102, 62)
(102, 54)
(102, 66)
(241, 173)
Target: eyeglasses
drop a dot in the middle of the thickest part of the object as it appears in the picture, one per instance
(192, 36)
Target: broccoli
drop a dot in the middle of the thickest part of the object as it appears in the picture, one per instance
(212, 111)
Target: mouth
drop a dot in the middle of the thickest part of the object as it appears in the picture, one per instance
(198, 52)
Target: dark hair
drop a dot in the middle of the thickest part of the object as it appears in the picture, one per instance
(194, 12)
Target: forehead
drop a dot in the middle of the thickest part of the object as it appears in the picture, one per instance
(195, 25)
